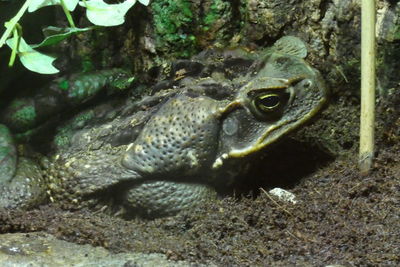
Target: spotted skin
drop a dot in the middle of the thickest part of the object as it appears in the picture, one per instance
(168, 152)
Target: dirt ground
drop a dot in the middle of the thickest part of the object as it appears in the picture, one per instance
(341, 216)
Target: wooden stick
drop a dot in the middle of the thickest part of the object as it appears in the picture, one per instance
(367, 118)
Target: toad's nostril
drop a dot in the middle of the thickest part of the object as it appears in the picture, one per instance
(307, 83)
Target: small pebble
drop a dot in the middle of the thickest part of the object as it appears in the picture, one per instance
(283, 195)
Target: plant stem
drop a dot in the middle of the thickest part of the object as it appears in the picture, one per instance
(68, 14)
(12, 22)
(367, 118)
(17, 33)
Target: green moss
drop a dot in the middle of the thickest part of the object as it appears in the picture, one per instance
(396, 34)
(87, 85)
(4, 152)
(218, 24)
(4, 133)
(82, 89)
(24, 115)
(214, 13)
(8, 156)
(25, 136)
(63, 85)
(61, 141)
(122, 84)
(387, 66)
(173, 24)
(87, 64)
(82, 118)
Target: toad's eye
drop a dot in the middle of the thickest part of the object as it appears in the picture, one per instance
(267, 102)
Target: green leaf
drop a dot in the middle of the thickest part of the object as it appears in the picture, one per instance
(103, 14)
(36, 4)
(54, 35)
(144, 2)
(32, 59)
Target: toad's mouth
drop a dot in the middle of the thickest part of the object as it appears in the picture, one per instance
(271, 134)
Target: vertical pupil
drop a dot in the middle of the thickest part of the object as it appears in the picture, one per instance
(269, 101)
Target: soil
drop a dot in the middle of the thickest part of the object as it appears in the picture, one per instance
(341, 217)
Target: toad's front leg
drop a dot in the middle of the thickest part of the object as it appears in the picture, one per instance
(21, 181)
(165, 198)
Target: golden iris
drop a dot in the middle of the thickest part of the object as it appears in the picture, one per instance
(267, 102)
